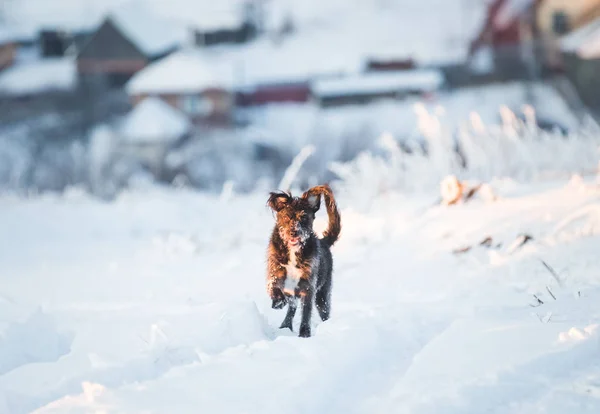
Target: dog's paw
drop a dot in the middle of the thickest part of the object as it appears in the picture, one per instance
(287, 325)
(279, 300)
(304, 332)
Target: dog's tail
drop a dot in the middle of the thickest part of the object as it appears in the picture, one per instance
(332, 234)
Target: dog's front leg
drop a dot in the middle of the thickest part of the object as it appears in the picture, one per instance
(275, 288)
(306, 292)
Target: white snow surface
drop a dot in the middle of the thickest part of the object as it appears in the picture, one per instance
(156, 303)
(37, 76)
(185, 71)
(153, 121)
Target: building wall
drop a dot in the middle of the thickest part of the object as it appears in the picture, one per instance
(7, 55)
(265, 94)
(221, 104)
(364, 98)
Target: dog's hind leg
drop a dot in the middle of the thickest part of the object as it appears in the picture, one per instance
(323, 301)
(289, 316)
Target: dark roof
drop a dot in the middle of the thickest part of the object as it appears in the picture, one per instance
(129, 32)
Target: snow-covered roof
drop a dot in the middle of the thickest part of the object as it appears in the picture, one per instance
(33, 15)
(206, 15)
(584, 41)
(428, 31)
(152, 34)
(7, 35)
(70, 15)
(216, 20)
(39, 76)
(153, 121)
(185, 71)
(425, 80)
(287, 67)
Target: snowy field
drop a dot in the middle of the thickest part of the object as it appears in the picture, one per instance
(156, 303)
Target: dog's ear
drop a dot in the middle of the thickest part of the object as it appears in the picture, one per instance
(277, 201)
(313, 199)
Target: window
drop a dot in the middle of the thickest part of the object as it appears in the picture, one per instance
(195, 105)
(560, 22)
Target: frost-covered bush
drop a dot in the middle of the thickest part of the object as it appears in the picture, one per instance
(210, 162)
(516, 149)
(423, 145)
(28, 165)
(15, 162)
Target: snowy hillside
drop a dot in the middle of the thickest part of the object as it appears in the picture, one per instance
(156, 304)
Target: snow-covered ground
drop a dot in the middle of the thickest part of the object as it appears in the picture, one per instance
(156, 303)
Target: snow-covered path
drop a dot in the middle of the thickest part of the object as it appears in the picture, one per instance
(156, 304)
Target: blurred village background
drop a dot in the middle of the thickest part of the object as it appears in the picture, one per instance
(107, 94)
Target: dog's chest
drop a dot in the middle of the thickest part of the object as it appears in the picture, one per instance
(294, 274)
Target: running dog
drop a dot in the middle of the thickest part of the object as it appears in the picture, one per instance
(299, 263)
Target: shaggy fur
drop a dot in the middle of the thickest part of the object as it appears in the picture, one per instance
(300, 263)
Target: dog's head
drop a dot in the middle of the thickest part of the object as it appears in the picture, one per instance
(295, 215)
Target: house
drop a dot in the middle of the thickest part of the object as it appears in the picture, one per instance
(364, 88)
(8, 47)
(267, 73)
(508, 31)
(556, 18)
(187, 81)
(150, 130)
(125, 43)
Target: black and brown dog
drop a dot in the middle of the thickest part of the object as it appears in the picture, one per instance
(300, 263)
